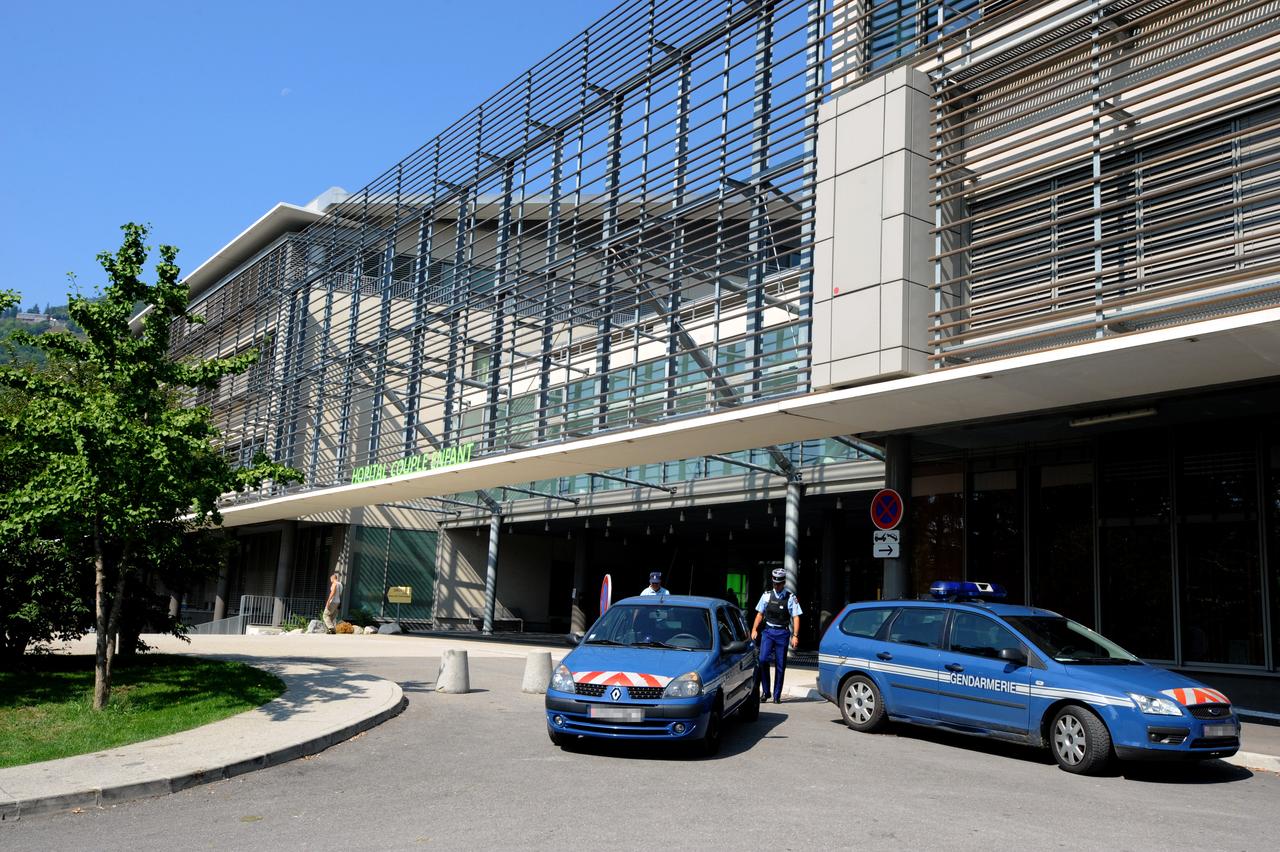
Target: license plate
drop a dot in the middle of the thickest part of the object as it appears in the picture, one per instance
(1228, 730)
(617, 714)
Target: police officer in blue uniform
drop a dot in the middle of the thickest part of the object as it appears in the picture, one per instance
(780, 612)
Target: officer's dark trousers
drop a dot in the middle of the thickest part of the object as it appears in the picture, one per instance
(773, 649)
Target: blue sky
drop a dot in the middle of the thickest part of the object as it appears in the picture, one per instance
(198, 117)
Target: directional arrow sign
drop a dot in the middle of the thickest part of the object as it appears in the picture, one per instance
(884, 544)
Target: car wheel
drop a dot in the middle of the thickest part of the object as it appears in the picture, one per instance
(861, 704)
(751, 707)
(559, 739)
(1080, 742)
(710, 743)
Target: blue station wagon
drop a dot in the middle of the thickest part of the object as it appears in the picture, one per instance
(657, 667)
(1015, 673)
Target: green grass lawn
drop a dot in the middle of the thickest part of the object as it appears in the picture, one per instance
(46, 711)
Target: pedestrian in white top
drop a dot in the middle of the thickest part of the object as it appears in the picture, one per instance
(332, 603)
(655, 585)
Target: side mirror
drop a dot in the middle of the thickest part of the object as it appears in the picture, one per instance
(573, 640)
(1013, 655)
(736, 647)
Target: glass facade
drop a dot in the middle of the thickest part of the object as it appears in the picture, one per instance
(1164, 539)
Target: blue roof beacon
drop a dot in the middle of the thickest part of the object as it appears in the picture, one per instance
(951, 590)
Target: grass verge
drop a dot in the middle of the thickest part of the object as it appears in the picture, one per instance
(46, 710)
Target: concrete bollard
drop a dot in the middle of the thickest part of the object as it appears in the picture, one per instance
(454, 677)
(537, 672)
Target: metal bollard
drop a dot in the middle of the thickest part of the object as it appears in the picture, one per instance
(537, 672)
(454, 677)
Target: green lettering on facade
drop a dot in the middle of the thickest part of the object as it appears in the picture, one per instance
(428, 460)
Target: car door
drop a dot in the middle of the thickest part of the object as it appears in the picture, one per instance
(908, 661)
(736, 667)
(979, 689)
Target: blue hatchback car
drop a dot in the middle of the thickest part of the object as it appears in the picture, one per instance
(656, 667)
(1015, 673)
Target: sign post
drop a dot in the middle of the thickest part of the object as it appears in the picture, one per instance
(399, 595)
(886, 514)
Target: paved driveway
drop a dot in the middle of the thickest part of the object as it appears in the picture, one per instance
(456, 772)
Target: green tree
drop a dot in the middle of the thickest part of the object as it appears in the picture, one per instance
(123, 469)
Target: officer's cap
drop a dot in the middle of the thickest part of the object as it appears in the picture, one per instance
(779, 575)
(655, 576)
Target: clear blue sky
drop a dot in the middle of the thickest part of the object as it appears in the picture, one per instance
(198, 117)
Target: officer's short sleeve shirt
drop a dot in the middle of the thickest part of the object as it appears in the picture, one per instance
(648, 590)
(793, 604)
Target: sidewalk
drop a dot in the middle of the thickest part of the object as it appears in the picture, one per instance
(321, 705)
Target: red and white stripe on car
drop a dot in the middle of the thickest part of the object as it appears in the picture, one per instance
(1192, 695)
(621, 678)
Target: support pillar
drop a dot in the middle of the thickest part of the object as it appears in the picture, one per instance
(284, 565)
(897, 475)
(831, 601)
(491, 572)
(791, 537)
(220, 596)
(577, 617)
(175, 604)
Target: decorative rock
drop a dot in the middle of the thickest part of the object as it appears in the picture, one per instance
(454, 677)
(370, 629)
(390, 628)
(537, 672)
(315, 625)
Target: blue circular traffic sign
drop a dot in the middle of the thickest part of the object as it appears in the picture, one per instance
(886, 509)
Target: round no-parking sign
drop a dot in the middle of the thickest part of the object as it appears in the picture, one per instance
(606, 593)
(886, 509)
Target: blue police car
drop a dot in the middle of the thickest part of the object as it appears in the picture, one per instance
(658, 667)
(964, 662)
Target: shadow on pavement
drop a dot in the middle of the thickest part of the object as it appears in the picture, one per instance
(738, 737)
(1159, 772)
(323, 683)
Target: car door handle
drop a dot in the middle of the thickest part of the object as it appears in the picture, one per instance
(885, 655)
(954, 667)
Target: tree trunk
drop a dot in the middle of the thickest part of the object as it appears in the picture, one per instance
(101, 672)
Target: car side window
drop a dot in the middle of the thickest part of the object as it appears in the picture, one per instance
(735, 621)
(918, 626)
(978, 635)
(865, 623)
(724, 627)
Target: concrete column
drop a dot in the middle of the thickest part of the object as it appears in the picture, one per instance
(791, 536)
(341, 564)
(491, 572)
(832, 584)
(175, 604)
(284, 566)
(897, 475)
(220, 597)
(577, 617)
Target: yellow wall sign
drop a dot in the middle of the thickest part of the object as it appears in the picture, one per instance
(400, 594)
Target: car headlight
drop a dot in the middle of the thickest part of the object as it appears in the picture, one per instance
(686, 686)
(562, 680)
(1155, 706)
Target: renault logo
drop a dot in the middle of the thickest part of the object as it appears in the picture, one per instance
(616, 694)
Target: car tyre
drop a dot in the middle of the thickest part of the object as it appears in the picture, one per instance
(1079, 741)
(710, 743)
(861, 704)
(750, 711)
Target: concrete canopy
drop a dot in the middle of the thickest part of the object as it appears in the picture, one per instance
(1240, 348)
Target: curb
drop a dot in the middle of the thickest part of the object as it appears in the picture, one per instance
(1252, 760)
(101, 797)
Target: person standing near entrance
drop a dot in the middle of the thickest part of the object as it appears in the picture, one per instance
(333, 603)
(655, 585)
(780, 612)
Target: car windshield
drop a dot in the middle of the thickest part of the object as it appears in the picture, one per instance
(685, 628)
(1069, 642)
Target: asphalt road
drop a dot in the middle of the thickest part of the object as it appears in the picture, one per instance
(461, 772)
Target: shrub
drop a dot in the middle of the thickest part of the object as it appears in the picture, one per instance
(345, 627)
(360, 617)
(294, 622)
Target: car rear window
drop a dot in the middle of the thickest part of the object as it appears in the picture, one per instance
(919, 627)
(865, 622)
